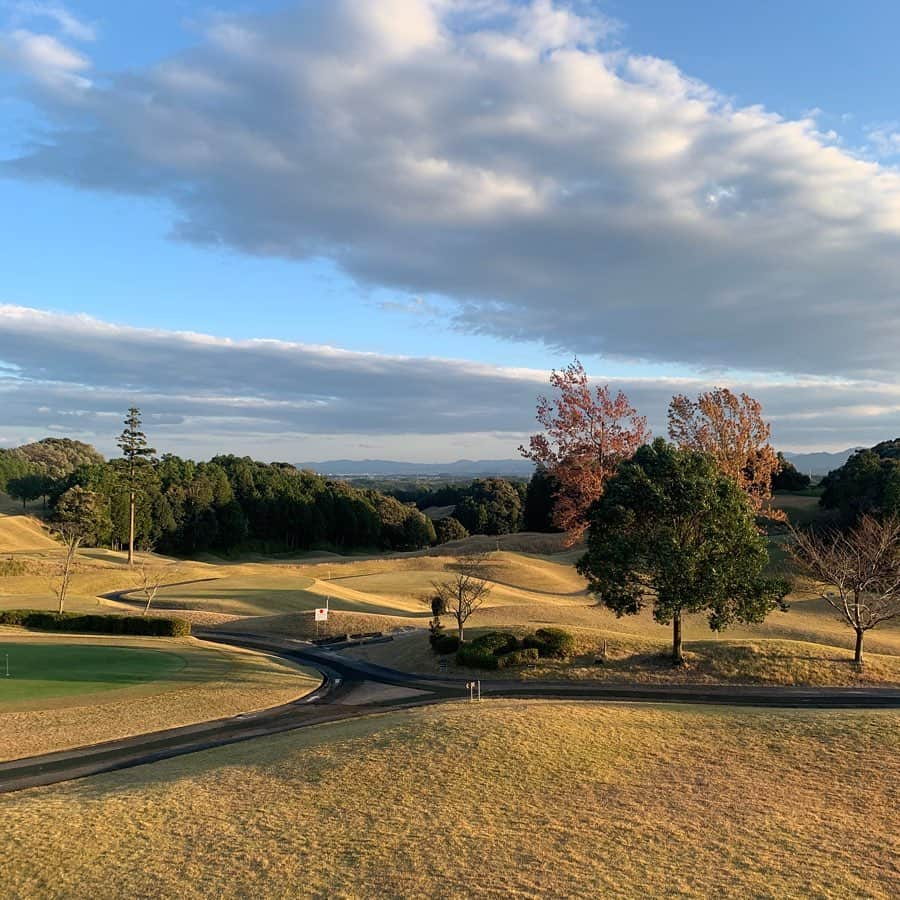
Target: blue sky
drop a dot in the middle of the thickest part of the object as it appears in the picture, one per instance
(168, 245)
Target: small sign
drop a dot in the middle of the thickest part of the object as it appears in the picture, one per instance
(322, 615)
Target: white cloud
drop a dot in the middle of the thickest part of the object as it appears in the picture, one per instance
(68, 24)
(203, 395)
(498, 155)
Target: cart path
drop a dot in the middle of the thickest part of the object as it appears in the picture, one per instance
(352, 688)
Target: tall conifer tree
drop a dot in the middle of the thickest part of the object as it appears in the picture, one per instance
(137, 456)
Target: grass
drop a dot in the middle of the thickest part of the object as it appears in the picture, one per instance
(531, 587)
(40, 671)
(20, 532)
(633, 659)
(503, 799)
(200, 682)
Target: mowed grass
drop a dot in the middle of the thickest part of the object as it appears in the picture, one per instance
(104, 688)
(501, 799)
(39, 671)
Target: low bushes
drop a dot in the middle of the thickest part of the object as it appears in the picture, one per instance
(445, 643)
(496, 642)
(551, 643)
(524, 657)
(42, 620)
(476, 658)
(501, 650)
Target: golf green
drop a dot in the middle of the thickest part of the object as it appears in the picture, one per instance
(39, 671)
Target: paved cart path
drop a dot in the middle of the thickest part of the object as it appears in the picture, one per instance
(352, 688)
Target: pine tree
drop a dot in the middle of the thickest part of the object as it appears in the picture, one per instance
(137, 456)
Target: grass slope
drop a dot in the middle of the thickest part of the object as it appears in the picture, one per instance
(504, 799)
(20, 533)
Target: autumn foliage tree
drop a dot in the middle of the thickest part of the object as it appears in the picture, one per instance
(587, 433)
(731, 429)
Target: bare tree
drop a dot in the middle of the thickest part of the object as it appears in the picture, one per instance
(60, 585)
(466, 591)
(151, 581)
(863, 567)
(79, 519)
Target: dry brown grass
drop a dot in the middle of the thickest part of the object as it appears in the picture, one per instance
(633, 659)
(303, 625)
(214, 682)
(20, 532)
(504, 799)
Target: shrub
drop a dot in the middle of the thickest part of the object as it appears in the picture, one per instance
(42, 620)
(445, 643)
(496, 642)
(518, 658)
(551, 643)
(476, 658)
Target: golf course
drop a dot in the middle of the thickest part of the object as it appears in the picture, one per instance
(584, 804)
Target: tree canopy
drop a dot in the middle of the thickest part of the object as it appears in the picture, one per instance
(867, 484)
(586, 433)
(731, 429)
(673, 531)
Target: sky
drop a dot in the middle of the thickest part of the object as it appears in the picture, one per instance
(310, 230)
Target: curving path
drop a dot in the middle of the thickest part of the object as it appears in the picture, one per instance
(353, 688)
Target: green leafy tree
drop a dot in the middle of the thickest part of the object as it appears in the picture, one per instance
(449, 529)
(787, 477)
(672, 531)
(540, 502)
(490, 506)
(867, 484)
(134, 467)
(59, 457)
(28, 487)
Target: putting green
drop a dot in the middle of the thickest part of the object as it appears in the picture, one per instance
(41, 671)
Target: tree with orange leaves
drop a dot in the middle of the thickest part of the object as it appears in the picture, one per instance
(732, 430)
(587, 433)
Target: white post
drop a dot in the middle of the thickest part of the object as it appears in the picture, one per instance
(479, 690)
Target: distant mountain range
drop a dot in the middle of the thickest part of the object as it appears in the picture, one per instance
(380, 468)
(810, 463)
(819, 463)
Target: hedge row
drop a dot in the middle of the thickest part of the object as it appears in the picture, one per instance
(95, 624)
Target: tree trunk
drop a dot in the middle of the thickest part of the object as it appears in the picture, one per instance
(857, 657)
(459, 629)
(131, 530)
(677, 651)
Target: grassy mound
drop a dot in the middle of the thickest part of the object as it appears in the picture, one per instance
(20, 533)
(545, 800)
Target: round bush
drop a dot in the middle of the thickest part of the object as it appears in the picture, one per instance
(551, 643)
(496, 642)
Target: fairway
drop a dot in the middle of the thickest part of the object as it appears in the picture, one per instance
(41, 671)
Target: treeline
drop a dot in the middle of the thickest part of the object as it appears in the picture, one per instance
(868, 483)
(487, 505)
(188, 507)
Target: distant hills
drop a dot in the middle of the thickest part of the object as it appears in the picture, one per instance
(810, 463)
(819, 463)
(462, 468)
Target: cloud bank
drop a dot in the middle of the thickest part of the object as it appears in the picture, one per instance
(508, 157)
(204, 395)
